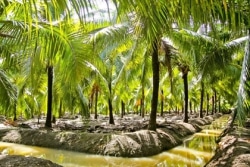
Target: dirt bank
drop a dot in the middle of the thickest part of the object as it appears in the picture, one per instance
(233, 149)
(140, 143)
(21, 161)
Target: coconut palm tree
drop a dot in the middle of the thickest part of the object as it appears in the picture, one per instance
(113, 60)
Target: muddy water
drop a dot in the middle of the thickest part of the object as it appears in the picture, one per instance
(194, 152)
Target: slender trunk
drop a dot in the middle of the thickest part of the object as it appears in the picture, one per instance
(185, 80)
(162, 102)
(15, 117)
(49, 99)
(122, 109)
(96, 102)
(215, 101)
(182, 107)
(212, 105)
(201, 102)
(111, 118)
(142, 110)
(219, 107)
(207, 104)
(156, 78)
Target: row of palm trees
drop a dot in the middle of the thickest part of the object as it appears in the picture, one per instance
(57, 55)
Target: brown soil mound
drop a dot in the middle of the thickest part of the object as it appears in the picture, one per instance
(21, 161)
(128, 144)
(233, 149)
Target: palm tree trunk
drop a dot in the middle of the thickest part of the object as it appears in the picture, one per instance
(15, 116)
(185, 80)
(156, 78)
(201, 102)
(212, 105)
(182, 107)
(207, 104)
(122, 109)
(142, 103)
(142, 109)
(111, 118)
(215, 101)
(162, 102)
(219, 105)
(49, 99)
(96, 101)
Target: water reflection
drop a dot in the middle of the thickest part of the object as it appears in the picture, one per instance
(195, 152)
(74, 159)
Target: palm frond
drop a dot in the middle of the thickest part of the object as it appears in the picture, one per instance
(198, 35)
(243, 103)
(14, 34)
(83, 102)
(108, 33)
(94, 68)
(235, 43)
(8, 91)
(170, 52)
(128, 58)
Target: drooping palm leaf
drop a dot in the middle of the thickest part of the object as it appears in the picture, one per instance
(8, 92)
(170, 52)
(83, 101)
(243, 103)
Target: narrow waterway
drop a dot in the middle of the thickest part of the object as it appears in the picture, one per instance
(194, 152)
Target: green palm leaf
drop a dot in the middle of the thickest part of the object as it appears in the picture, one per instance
(8, 92)
(243, 103)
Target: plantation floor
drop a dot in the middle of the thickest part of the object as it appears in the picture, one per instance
(129, 136)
